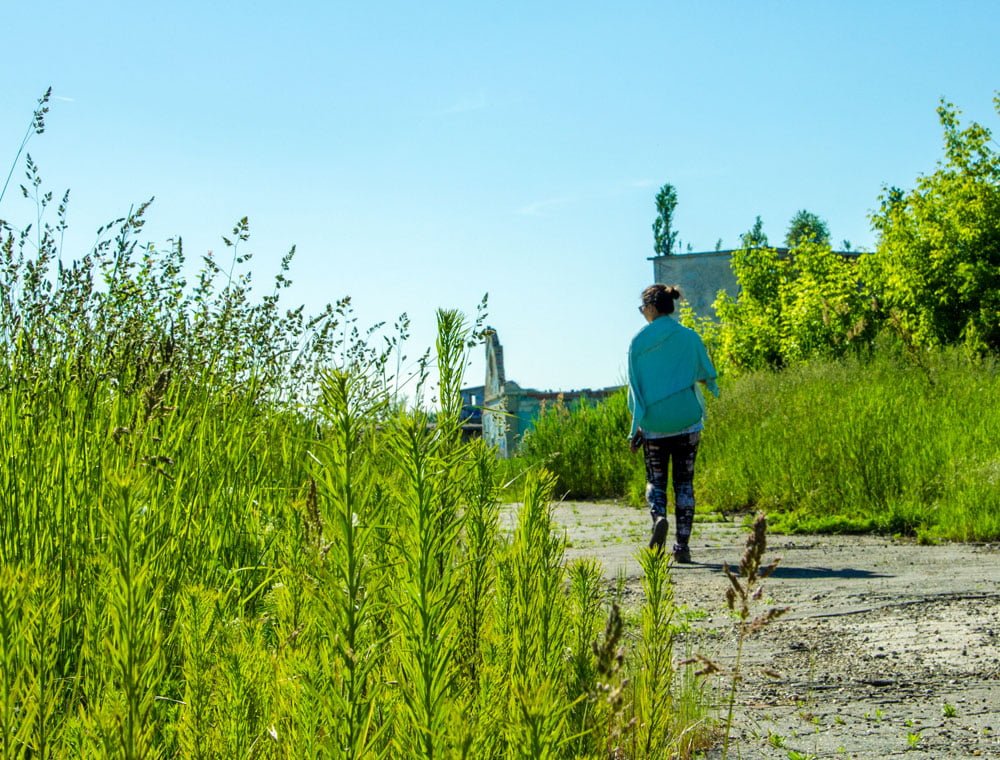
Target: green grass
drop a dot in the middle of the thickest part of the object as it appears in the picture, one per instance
(861, 446)
(878, 445)
(223, 535)
(205, 576)
(584, 446)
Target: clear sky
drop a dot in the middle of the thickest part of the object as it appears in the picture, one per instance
(422, 154)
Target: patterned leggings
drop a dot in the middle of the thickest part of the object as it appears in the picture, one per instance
(658, 453)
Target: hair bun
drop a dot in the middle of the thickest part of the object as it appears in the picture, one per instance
(662, 297)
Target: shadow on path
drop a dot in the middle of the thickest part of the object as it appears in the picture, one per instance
(794, 573)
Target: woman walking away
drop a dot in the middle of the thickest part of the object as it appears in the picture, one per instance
(666, 361)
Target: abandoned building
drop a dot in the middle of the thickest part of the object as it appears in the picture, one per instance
(700, 276)
(503, 410)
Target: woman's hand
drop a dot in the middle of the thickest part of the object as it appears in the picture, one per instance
(636, 442)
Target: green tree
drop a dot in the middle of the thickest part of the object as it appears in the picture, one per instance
(664, 236)
(936, 271)
(749, 336)
(804, 304)
(755, 236)
(824, 310)
(806, 227)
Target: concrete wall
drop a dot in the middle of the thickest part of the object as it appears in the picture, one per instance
(700, 277)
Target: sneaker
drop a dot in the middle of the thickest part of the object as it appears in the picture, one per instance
(659, 536)
(682, 554)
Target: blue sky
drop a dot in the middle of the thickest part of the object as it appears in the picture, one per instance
(422, 154)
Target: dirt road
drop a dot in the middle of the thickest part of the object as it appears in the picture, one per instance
(889, 649)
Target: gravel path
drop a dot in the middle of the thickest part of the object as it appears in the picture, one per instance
(890, 648)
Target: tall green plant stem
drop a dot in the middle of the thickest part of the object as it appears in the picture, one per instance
(348, 591)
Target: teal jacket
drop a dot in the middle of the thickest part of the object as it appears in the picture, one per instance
(665, 363)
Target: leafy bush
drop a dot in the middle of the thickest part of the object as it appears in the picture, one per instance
(806, 304)
(936, 271)
(933, 280)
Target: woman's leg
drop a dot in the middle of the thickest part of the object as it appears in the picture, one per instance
(657, 459)
(683, 451)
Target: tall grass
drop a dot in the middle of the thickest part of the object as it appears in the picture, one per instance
(884, 445)
(285, 588)
(584, 445)
(891, 443)
(223, 537)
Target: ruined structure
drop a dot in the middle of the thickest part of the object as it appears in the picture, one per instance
(700, 277)
(506, 410)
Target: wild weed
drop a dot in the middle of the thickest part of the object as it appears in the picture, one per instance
(612, 727)
(600, 711)
(655, 667)
(586, 579)
(426, 594)
(584, 446)
(479, 547)
(223, 535)
(13, 659)
(199, 630)
(860, 445)
(350, 638)
(534, 612)
(132, 641)
(743, 597)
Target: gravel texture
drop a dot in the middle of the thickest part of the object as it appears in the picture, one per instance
(889, 648)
